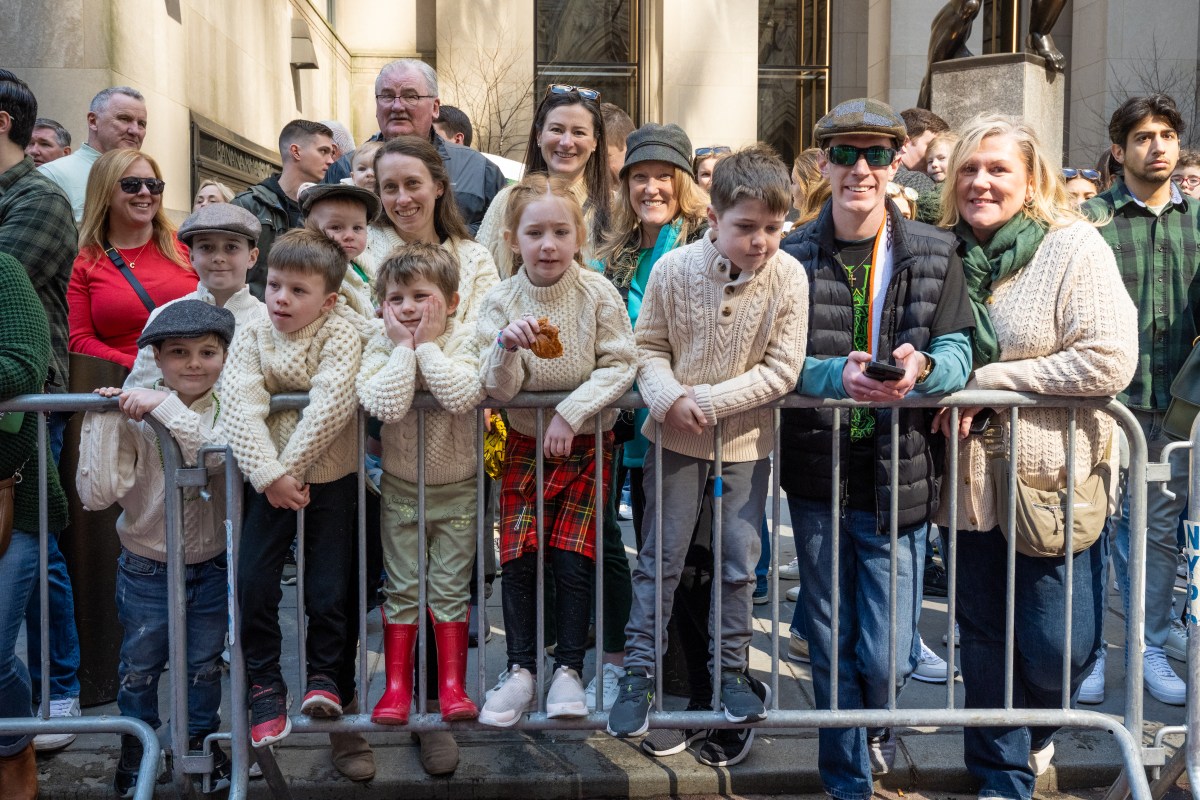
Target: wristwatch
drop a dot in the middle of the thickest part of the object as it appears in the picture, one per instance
(929, 365)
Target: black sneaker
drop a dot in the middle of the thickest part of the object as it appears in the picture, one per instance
(936, 583)
(321, 698)
(630, 714)
(219, 777)
(662, 742)
(728, 746)
(269, 720)
(289, 567)
(739, 698)
(125, 781)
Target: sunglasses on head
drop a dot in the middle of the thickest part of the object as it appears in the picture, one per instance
(1071, 173)
(582, 91)
(134, 185)
(847, 155)
(712, 151)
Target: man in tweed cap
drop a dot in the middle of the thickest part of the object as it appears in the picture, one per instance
(890, 290)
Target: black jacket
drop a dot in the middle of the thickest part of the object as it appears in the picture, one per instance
(920, 258)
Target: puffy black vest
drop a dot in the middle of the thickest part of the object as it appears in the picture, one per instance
(920, 255)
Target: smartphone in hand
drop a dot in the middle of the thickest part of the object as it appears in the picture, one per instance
(883, 372)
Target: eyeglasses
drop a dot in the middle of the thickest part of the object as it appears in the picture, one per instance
(1190, 181)
(846, 155)
(409, 99)
(582, 91)
(1087, 174)
(712, 151)
(134, 185)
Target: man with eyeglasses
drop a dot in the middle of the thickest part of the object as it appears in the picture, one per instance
(882, 289)
(406, 104)
(1154, 231)
(116, 120)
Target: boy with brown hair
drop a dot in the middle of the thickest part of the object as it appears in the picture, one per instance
(296, 461)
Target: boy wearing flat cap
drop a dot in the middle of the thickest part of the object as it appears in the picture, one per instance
(120, 460)
(222, 239)
(343, 212)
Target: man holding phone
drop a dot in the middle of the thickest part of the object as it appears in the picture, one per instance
(889, 315)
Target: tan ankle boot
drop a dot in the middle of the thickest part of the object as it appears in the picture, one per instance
(352, 756)
(439, 752)
(19, 778)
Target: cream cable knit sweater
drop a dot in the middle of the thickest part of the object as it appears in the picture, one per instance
(598, 362)
(120, 462)
(244, 306)
(1066, 326)
(738, 342)
(448, 369)
(476, 271)
(317, 446)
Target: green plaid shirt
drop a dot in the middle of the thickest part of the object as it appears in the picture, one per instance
(1159, 260)
(37, 228)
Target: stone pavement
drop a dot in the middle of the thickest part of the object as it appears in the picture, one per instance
(533, 765)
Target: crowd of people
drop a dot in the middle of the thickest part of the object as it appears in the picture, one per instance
(896, 257)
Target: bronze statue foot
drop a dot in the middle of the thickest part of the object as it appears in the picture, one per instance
(1042, 44)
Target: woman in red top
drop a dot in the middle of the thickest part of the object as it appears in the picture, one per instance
(123, 208)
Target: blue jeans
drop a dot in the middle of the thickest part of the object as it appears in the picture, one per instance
(64, 639)
(999, 756)
(142, 610)
(864, 589)
(18, 572)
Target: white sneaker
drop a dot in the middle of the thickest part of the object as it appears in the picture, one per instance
(931, 668)
(1091, 691)
(793, 594)
(66, 707)
(1161, 681)
(797, 649)
(881, 752)
(565, 697)
(1176, 645)
(509, 699)
(610, 675)
(1039, 760)
(790, 571)
(956, 636)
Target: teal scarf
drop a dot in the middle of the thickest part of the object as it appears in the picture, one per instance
(1009, 249)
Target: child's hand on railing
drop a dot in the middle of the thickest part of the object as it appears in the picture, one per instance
(287, 492)
(557, 441)
(685, 415)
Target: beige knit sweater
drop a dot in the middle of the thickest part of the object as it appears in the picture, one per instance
(1066, 326)
(317, 446)
(738, 342)
(449, 370)
(598, 362)
(120, 462)
(244, 306)
(476, 271)
(491, 230)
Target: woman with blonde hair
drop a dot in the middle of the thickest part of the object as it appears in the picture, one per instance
(211, 191)
(129, 260)
(810, 188)
(1052, 317)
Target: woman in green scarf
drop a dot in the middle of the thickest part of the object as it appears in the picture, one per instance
(1051, 317)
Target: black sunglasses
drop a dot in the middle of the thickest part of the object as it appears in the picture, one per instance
(1070, 173)
(134, 185)
(846, 155)
(582, 91)
(712, 151)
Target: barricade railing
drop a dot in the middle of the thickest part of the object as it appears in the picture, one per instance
(1128, 737)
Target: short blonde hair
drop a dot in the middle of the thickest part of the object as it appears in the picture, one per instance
(1049, 202)
(225, 192)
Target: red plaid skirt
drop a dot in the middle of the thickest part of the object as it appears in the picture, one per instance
(569, 496)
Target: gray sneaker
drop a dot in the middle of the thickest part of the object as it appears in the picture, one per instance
(662, 742)
(739, 699)
(630, 714)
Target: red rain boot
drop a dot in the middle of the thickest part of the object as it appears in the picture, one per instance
(398, 644)
(451, 640)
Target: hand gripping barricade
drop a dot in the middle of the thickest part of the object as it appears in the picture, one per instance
(1127, 737)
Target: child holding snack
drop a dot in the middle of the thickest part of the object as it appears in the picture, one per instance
(592, 355)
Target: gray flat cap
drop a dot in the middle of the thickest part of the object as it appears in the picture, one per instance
(221, 218)
(861, 116)
(653, 142)
(323, 191)
(188, 319)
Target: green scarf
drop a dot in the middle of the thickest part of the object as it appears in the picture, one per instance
(1009, 249)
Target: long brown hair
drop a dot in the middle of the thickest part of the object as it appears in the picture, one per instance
(102, 180)
(447, 219)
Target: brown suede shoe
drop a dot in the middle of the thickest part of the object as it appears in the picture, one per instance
(352, 756)
(439, 752)
(19, 777)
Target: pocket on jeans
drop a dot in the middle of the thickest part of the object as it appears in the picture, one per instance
(133, 564)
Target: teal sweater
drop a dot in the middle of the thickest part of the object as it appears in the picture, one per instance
(24, 363)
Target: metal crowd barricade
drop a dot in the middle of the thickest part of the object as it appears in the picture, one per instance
(20, 726)
(1127, 737)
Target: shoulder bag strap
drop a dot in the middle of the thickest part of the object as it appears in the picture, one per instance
(120, 264)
